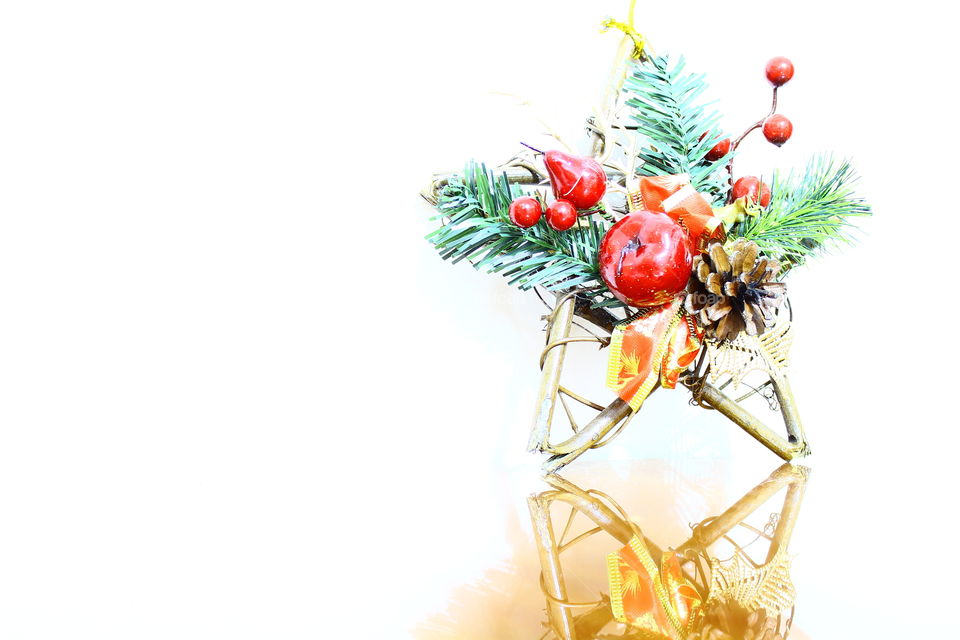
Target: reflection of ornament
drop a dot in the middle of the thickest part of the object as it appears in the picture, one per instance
(561, 215)
(684, 593)
(655, 597)
(579, 180)
(767, 586)
(729, 620)
(525, 211)
(777, 129)
(734, 292)
(645, 259)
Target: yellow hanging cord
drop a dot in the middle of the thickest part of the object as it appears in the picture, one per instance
(639, 42)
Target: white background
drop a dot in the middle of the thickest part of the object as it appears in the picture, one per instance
(239, 393)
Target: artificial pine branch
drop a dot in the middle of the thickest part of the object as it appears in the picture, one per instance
(808, 212)
(664, 103)
(476, 227)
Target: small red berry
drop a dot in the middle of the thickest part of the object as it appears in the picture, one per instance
(779, 71)
(525, 211)
(777, 129)
(719, 150)
(749, 187)
(561, 215)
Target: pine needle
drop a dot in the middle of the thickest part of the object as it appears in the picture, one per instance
(665, 108)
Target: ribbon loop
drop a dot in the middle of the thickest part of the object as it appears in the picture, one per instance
(656, 346)
(675, 196)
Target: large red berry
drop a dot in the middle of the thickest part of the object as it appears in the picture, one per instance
(777, 129)
(561, 215)
(525, 211)
(752, 189)
(779, 71)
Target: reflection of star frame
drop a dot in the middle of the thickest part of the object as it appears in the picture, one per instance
(764, 584)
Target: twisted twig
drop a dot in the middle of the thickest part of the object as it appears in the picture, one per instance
(736, 143)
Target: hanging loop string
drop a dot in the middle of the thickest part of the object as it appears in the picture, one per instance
(639, 42)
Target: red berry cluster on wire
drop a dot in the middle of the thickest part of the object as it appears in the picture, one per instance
(578, 184)
(526, 211)
(777, 129)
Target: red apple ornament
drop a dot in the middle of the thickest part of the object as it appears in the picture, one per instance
(646, 259)
(579, 180)
(525, 211)
(561, 215)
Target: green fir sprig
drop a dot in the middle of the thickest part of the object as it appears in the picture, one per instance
(474, 208)
(679, 131)
(810, 212)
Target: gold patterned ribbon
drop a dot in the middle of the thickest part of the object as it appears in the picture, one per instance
(655, 346)
(659, 600)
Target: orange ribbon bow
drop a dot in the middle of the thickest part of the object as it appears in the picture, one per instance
(658, 345)
(675, 196)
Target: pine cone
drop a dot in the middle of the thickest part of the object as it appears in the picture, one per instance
(729, 620)
(735, 291)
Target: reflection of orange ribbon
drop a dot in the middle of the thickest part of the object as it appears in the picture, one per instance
(659, 600)
(658, 345)
(675, 196)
